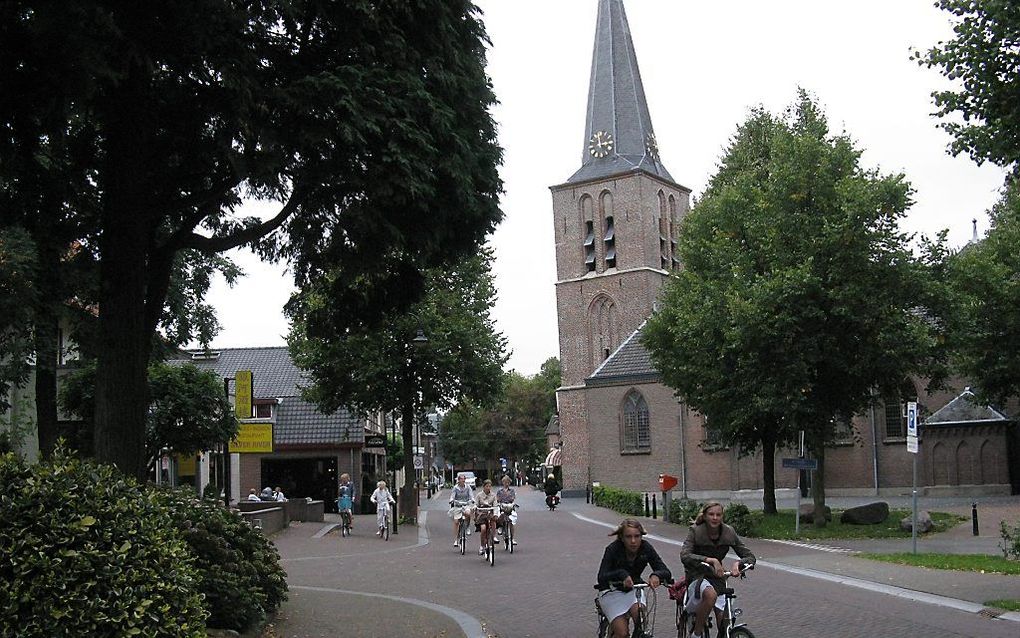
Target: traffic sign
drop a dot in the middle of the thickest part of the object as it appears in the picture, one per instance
(419, 462)
(800, 464)
(375, 440)
(912, 444)
(912, 418)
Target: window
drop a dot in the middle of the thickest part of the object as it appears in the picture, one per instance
(636, 434)
(895, 417)
(589, 246)
(263, 411)
(610, 243)
(843, 430)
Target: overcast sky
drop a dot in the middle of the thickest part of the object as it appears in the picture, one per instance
(703, 64)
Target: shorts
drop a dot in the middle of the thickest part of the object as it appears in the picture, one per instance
(702, 586)
(616, 603)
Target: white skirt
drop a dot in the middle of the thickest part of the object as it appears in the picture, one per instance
(616, 603)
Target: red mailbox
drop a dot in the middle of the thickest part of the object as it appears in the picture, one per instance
(666, 482)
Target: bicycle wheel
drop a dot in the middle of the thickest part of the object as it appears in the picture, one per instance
(741, 632)
(510, 538)
(603, 627)
(682, 624)
(492, 553)
(386, 531)
(463, 537)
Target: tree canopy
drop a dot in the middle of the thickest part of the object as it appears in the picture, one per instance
(798, 295)
(366, 123)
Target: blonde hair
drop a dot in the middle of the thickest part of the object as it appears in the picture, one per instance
(345, 475)
(627, 522)
(704, 510)
(381, 484)
(505, 480)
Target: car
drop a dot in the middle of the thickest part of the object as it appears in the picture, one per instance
(469, 478)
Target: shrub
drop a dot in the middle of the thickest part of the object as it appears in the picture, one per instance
(238, 569)
(623, 501)
(1010, 540)
(743, 520)
(683, 511)
(86, 551)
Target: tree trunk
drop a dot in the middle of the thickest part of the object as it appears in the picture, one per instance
(46, 345)
(768, 467)
(409, 494)
(818, 483)
(124, 336)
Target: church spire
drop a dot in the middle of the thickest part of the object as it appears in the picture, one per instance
(618, 135)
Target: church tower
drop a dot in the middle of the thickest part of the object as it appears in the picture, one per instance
(615, 227)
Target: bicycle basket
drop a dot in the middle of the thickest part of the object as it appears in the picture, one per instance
(678, 589)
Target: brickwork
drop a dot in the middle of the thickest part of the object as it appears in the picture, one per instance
(574, 436)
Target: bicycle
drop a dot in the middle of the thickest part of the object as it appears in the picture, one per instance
(645, 625)
(384, 526)
(462, 528)
(489, 546)
(344, 507)
(506, 527)
(685, 621)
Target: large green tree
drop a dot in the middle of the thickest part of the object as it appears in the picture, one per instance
(384, 368)
(367, 124)
(798, 295)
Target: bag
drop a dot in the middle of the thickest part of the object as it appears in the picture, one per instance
(678, 589)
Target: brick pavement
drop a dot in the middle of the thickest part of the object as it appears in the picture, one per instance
(544, 589)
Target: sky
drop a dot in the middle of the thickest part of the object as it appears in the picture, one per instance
(703, 66)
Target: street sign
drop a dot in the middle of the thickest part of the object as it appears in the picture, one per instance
(375, 440)
(912, 418)
(244, 383)
(912, 443)
(419, 462)
(800, 464)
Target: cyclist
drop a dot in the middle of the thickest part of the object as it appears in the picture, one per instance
(708, 541)
(345, 498)
(622, 564)
(552, 487)
(382, 499)
(506, 495)
(484, 520)
(461, 493)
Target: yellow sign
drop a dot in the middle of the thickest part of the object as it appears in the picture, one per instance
(253, 437)
(243, 382)
(186, 465)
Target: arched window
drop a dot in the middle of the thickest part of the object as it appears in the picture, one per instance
(896, 411)
(604, 329)
(608, 231)
(588, 225)
(964, 465)
(635, 430)
(940, 464)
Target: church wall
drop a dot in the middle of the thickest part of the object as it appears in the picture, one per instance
(574, 435)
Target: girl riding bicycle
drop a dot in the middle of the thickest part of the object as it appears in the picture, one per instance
(622, 564)
(708, 541)
(382, 499)
(345, 498)
(506, 495)
(461, 493)
(485, 502)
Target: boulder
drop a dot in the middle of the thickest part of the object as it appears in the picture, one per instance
(924, 523)
(807, 513)
(870, 514)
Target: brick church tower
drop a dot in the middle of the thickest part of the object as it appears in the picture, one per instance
(615, 222)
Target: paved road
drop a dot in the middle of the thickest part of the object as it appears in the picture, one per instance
(544, 589)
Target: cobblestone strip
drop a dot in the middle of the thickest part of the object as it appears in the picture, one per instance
(908, 594)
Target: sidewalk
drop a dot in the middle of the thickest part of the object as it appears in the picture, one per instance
(971, 587)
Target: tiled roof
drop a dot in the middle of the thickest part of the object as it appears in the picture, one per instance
(553, 427)
(276, 377)
(963, 410)
(630, 362)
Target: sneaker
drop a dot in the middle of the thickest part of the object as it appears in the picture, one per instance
(481, 551)
(456, 543)
(497, 540)
(514, 541)
(469, 531)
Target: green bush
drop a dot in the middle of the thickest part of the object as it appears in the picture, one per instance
(238, 569)
(85, 551)
(683, 511)
(1010, 540)
(743, 520)
(623, 501)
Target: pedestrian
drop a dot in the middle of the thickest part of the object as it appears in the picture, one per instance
(278, 494)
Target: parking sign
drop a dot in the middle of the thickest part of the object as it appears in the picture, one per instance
(912, 418)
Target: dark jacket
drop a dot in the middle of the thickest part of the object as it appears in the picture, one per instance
(698, 546)
(615, 567)
(551, 487)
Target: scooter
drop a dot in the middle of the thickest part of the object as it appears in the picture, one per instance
(552, 501)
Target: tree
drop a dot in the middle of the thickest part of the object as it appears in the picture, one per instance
(798, 296)
(986, 279)
(983, 61)
(462, 435)
(366, 123)
(17, 295)
(381, 368)
(189, 411)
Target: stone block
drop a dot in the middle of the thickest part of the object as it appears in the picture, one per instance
(924, 523)
(807, 513)
(870, 514)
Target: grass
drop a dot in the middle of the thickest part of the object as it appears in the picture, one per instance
(781, 526)
(983, 563)
(1009, 604)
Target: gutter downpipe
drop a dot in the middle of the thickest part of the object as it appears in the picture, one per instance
(874, 444)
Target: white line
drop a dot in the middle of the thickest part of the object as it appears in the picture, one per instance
(821, 548)
(470, 625)
(900, 592)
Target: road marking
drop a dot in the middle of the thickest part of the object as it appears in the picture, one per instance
(470, 625)
(821, 548)
(423, 539)
(900, 592)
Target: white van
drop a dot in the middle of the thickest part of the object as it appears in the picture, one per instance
(469, 478)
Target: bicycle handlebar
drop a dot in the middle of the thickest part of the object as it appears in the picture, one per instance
(745, 567)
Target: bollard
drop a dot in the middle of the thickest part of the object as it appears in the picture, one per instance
(395, 517)
(973, 517)
(647, 511)
(587, 493)
(655, 513)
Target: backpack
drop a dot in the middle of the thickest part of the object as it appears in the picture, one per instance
(678, 589)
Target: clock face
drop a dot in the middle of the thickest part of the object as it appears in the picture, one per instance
(600, 144)
(652, 146)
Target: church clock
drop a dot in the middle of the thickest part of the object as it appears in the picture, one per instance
(600, 144)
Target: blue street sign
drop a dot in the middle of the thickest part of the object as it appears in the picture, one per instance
(800, 464)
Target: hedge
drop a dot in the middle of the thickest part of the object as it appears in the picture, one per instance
(623, 501)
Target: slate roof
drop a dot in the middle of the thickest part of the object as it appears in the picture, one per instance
(298, 422)
(631, 362)
(963, 410)
(553, 426)
(617, 105)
